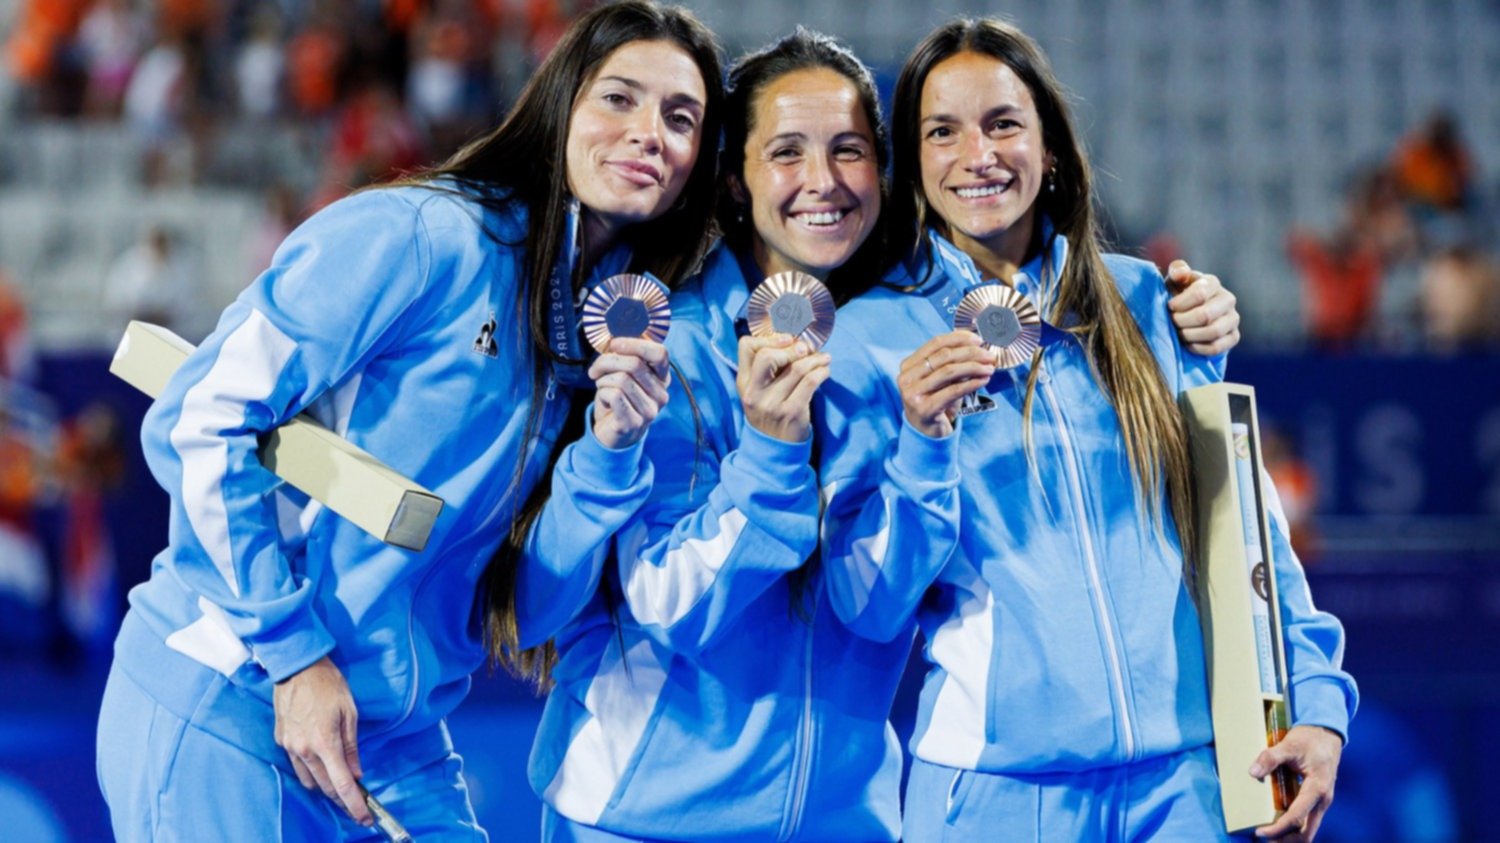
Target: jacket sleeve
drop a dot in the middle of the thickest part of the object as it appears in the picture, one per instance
(595, 492)
(716, 533)
(1323, 694)
(891, 501)
(1146, 294)
(335, 295)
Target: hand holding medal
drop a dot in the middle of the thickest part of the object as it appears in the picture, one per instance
(790, 316)
(626, 319)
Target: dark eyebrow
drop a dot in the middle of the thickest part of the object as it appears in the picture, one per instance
(997, 111)
(674, 99)
(786, 136)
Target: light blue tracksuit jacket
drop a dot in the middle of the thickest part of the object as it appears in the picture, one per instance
(717, 709)
(377, 317)
(1059, 631)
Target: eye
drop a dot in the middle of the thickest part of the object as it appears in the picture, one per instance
(1005, 124)
(940, 133)
(616, 99)
(849, 152)
(786, 153)
(682, 121)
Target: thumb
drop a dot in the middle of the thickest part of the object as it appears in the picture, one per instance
(1269, 759)
(1180, 275)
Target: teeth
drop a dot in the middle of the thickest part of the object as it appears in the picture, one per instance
(976, 192)
(821, 217)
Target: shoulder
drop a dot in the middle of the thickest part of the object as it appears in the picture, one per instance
(1135, 278)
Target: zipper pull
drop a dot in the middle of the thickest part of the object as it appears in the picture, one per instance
(551, 384)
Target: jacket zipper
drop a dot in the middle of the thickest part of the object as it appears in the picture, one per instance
(804, 736)
(1074, 472)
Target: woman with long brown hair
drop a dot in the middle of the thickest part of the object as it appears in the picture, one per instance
(276, 643)
(1066, 696)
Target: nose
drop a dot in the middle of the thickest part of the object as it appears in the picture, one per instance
(979, 153)
(820, 178)
(646, 131)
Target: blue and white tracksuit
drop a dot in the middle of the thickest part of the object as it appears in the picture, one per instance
(1061, 636)
(375, 317)
(716, 710)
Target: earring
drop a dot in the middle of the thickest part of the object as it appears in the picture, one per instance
(1052, 179)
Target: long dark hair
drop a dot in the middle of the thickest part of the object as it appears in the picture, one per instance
(1155, 437)
(523, 162)
(801, 50)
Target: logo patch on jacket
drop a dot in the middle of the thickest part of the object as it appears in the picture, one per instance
(975, 403)
(485, 342)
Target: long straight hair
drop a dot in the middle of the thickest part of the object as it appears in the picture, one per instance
(1156, 444)
(523, 163)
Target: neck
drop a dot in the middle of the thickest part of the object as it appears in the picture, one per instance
(770, 264)
(597, 234)
(997, 257)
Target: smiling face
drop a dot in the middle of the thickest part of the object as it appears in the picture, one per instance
(634, 134)
(982, 156)
(810, 173)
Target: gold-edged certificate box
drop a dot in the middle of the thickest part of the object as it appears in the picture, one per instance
(323, 465)
(1236, 595)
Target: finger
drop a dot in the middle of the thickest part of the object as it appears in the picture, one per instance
(304, 775)
(787, 384)
(345, 790)
(930, 373)
(622, 416)
(1212, 308)
(950, 373)
(606, 364)
(642, 388)
(947, 399)
(314, 763)
(652, 352)
(351, 747)
(802, 394)
(769, 363)
(1297, 814)
(952, 339)
(1180, 275)
(631, 392)
(1221, 327)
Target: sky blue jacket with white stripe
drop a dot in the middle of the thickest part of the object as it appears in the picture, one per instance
(1060, 633)
(371, 318)
(716, 710)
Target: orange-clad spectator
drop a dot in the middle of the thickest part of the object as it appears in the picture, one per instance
(42, 28)
(314, 59)
(546, 20)
(1340, 284)
(17, 358)
(1432, 166)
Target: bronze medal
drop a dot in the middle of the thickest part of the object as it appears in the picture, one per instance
(626, 305)
(792, 303)
(1004, 319)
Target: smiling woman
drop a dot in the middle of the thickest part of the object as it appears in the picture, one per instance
(275, 640)
(1045, 546)
(705, 689)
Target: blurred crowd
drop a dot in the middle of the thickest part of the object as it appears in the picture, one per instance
(380, 86)
(1412, 259)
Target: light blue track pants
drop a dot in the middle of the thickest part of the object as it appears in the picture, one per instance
(1172, 799)
(168, 782)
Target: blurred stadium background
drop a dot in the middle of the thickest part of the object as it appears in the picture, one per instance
(1334, 161)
